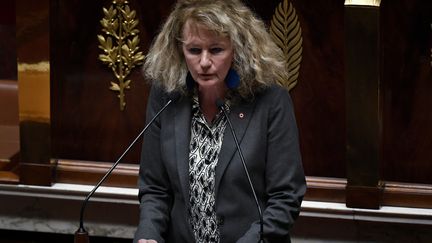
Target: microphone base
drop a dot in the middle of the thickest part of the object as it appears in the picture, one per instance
(81, 236)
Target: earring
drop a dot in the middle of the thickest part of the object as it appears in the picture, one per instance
(190, 82)
(232, 79)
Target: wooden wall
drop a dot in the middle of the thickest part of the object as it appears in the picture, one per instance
(93, 128)
(88, 128)
(87, 123)
(8, 68)
(407, 83)
(9, 129)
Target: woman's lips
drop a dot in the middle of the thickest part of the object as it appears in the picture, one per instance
(206, 76)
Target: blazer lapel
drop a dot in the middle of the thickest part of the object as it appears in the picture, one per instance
(182, 120)
(240, 116)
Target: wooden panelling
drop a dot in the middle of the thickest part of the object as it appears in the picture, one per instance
(32, 30)
(319, 97)
(87, 121)
(8, 55)
(407, 195)
(319, 188)
(9, 129)
(90, 172)
(406, 76)
(83, 130)
(389, 194)
(325, 189)
(36, 174)
(93, 128)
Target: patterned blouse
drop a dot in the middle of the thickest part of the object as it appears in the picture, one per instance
(205, 145)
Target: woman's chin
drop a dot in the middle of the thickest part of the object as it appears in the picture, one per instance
(209, 83)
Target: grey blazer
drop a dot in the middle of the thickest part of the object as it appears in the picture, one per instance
(267, 133)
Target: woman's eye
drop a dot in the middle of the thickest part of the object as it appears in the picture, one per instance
(195, 50)
(216, 50)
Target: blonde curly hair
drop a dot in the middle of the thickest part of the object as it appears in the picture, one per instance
(257, 59)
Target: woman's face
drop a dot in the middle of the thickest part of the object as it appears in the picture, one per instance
(208, 55)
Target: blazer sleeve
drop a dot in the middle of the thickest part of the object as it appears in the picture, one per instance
(155, 193)
(284, 176)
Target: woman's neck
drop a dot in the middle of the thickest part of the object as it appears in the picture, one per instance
(207, 100)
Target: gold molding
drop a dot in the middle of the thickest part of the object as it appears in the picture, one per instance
(286, 32)
(122, 56)
(34, 91)
(372, 3)
(34, 67)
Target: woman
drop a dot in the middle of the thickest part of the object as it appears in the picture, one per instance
(192, 185)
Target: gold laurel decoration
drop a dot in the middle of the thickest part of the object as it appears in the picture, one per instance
(286, 32)
(120, 46)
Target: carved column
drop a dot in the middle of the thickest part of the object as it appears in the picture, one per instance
(363, 103)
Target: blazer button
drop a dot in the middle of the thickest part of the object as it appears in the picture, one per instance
(220, 220)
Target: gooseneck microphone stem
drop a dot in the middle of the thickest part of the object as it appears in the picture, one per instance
(221, 105)
(81, 235)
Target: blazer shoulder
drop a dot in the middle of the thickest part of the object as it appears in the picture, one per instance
(274, 95)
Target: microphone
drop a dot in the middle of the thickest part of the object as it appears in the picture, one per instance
(221, 105)
(81, 235)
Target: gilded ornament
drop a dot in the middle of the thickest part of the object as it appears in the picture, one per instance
(286, 32)
(120, 45)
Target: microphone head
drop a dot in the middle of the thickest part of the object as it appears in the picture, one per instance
(220, 103)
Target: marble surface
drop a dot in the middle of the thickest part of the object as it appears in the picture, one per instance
(57, 210)
(113, 212)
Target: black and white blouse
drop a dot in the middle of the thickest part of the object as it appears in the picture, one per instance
(205, 145)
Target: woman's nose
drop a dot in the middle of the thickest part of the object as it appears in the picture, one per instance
(205, 60)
